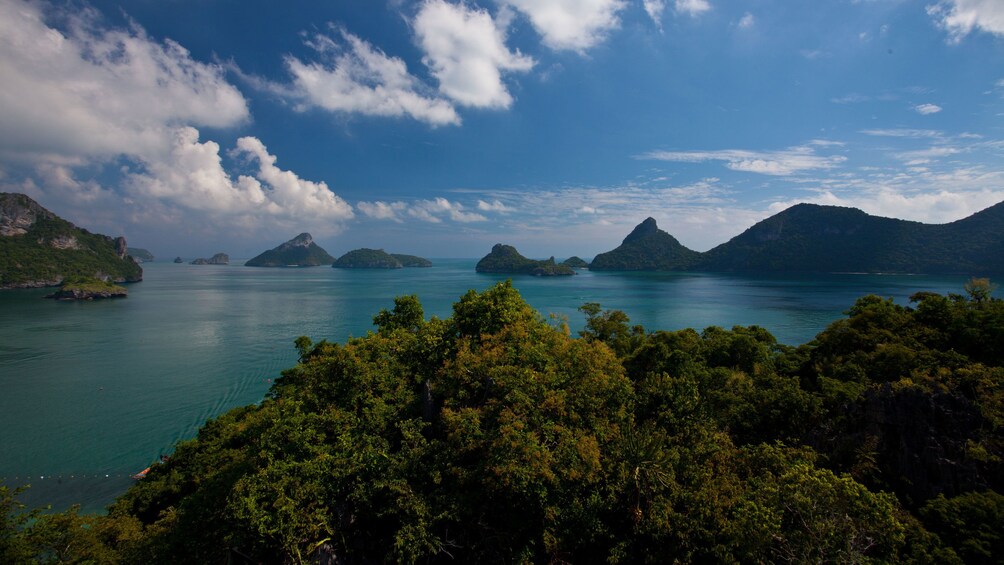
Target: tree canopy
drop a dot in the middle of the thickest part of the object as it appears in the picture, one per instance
(494, 436)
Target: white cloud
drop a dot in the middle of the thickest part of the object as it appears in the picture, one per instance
(926, 109)
(903, 132)
(747, 21)
(192, 176)
(574, 25)
(692, 7)
(363, 79)
(654, 9)
(90, 93)
(434, 210)
(960, 17)
(493, 206)
(782, 163)
(465, 50)
(382, 210)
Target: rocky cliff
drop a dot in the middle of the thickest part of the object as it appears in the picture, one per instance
(38, 248)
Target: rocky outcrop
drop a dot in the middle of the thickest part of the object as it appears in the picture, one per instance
(140, 255)
(218, 259)
(301, 251)
(178, 260)
(38, 248)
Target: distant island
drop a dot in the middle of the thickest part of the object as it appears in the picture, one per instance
(576, 262)
(38, 248)
(86, 288)
(506, 260)
(218, 259)
(826, 239)
(301, 251)
(178, 260)
(140, 255)
(378, 259)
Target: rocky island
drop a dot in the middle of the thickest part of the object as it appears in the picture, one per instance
(85, 288)
(301, 251)
(505, 259)
(178, 260)
(38, 248)
(378, 259)
(140, 255)
(218, 259)
(810, 238)
(575, 262)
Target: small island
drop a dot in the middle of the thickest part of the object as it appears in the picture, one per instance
(87, 288)
(506, 260)
(575, 262)
(378, 259)
(301, 251)
(178, 260)
(218, 259)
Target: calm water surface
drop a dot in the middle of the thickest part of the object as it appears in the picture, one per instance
(91, 393)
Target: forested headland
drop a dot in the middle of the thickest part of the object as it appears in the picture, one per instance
(496, 436)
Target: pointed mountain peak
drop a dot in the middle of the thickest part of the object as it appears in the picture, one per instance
(644, 229)
(302, 240)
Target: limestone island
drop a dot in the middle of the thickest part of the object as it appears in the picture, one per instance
(505, 259)
(575, 262)
(301, 251)
(86, 288)
(218, 259)
(39, 249)
(140, 255)
(178, 260)
(378, 259)
(810, 238)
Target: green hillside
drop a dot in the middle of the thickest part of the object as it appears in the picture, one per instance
(38, 248)
(301, 251)
(505, 259)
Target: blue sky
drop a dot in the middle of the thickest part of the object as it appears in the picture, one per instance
(440, 127)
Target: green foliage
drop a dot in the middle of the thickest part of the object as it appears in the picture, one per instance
(972, 523)
(575, 262)
(411, 260)
(505, 259)
(492, 436)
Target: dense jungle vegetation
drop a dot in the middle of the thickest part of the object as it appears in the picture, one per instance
(495, 436)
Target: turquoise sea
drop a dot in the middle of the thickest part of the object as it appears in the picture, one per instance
(91, 393)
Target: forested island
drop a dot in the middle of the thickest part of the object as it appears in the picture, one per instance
(140, 255)
(505, 259)
(826, 239)
(378, 259)
(496, 436)
(301, 251)
(39, 249)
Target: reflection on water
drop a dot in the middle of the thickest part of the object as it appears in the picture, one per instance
(104, 388)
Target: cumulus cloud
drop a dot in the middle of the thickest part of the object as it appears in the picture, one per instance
(960, 17)
(926, 109)
(747, 21)
(692, 7)
(358, 78)
(87, 93)
(192, 175)
(465, 50)
(380, 210)
(781, 163)
(574, 25)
